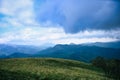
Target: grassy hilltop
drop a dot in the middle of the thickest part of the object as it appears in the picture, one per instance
(48, 69)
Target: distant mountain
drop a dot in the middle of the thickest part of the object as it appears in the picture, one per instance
(7, 49)
(79, 52)
(3, 56)
(18, 55)
(105, 44)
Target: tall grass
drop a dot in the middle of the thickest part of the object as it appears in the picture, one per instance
(48, 69)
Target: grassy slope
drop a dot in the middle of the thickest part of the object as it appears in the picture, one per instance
(48, 69)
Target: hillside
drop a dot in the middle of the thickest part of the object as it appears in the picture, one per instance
(79, 52)
(48, 69)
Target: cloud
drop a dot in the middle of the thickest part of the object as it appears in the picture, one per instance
(39, 22)
(72, 15)
(53, 35)
(79, 15)
(18, 12)
(83, 40)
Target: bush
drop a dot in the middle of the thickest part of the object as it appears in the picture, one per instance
(111, 67)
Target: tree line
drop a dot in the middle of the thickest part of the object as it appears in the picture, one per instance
(111, 67)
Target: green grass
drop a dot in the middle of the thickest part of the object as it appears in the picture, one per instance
(48, 69)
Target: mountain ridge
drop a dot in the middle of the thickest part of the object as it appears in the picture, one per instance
(71, 51)
(78, 52)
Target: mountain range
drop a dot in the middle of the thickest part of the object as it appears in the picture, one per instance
(81, 52)
(105, 44)
(8, 49)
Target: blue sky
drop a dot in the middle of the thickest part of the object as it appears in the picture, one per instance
(42, 22)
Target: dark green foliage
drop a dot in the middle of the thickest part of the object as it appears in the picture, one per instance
(111, 67)
(99, 62)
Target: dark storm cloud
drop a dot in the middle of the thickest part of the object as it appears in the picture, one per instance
(79, 15)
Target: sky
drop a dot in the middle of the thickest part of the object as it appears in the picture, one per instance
(50, 22)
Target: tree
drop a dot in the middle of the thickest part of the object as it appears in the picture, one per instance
(111, 67)
(99, 62)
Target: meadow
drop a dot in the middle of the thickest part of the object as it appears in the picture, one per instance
(48, 69)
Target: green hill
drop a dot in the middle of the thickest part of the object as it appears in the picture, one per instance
(48, 69)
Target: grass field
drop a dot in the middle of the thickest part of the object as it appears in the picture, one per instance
(48, 69)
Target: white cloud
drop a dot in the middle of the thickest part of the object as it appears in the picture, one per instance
(83, 40)
(41, 36)
(12, 7)
(18, 12)
(2, 40)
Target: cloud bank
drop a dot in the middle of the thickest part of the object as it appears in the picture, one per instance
(79, 15)
(52, 36)
(39, 22)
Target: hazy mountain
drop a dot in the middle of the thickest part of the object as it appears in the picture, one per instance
(18, 55)
(3, 56)
(79, 52)
(10, 49)
(105, 44)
